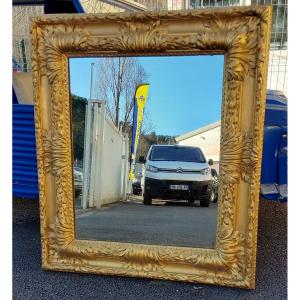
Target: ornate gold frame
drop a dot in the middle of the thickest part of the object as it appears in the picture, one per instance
(242, 35)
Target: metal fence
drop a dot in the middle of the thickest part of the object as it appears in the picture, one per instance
(278, 63)
(21, 35)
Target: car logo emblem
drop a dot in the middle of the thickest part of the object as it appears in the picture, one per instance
(179, 170)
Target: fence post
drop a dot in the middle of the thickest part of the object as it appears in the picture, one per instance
(87, 156)
(125, 170)
(98, 174)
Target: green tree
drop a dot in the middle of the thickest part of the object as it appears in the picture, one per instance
(78, 124)
(146, 140)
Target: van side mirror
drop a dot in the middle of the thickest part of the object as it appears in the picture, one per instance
(142, 160)
(210, 162)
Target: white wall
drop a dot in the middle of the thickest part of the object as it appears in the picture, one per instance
(113, 165)
(107, 161)
(208, 141)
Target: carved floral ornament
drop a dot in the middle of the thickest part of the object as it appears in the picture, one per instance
(242, 35)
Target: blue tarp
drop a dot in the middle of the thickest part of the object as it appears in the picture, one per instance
(274, 160)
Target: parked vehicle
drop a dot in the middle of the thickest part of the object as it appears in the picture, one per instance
(78, 181)
(214, 186)
(177, 172)
(136, 186)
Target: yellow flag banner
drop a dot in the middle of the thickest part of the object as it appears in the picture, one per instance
(140, 99)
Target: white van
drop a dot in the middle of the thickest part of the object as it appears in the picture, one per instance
(177, 172)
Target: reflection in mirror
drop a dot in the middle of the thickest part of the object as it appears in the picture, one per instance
(146, 142)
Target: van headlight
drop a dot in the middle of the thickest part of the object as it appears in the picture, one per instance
(204, 171)
(151, 169)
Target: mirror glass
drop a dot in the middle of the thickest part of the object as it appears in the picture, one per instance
(146, 142)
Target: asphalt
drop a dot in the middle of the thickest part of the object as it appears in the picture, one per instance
(31, 282)
(162, 223)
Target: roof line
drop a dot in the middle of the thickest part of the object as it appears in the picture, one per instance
(197, 131)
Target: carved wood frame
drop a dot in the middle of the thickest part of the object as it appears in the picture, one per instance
(242, 35)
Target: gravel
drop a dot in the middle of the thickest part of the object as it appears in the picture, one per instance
(31, 282)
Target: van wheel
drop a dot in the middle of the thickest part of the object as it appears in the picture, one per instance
(215, 198)
(205, 202)
(212, 196)
(147, 199)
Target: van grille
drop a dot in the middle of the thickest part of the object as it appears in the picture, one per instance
(179, 171)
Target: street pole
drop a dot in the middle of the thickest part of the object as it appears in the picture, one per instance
(92, 80)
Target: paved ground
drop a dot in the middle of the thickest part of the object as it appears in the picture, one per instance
(30, 282)
(162, 223)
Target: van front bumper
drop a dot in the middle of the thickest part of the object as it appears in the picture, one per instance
(161, 189)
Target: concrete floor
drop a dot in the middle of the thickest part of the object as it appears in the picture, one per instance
(162, 223)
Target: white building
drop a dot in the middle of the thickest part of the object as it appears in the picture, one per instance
(207, 138)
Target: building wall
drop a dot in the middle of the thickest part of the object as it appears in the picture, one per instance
(208, 141)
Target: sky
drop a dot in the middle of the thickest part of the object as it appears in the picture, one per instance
(185, 92)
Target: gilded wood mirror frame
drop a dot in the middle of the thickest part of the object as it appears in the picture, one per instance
(242, 35)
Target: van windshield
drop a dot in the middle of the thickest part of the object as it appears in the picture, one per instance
(173, 153)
